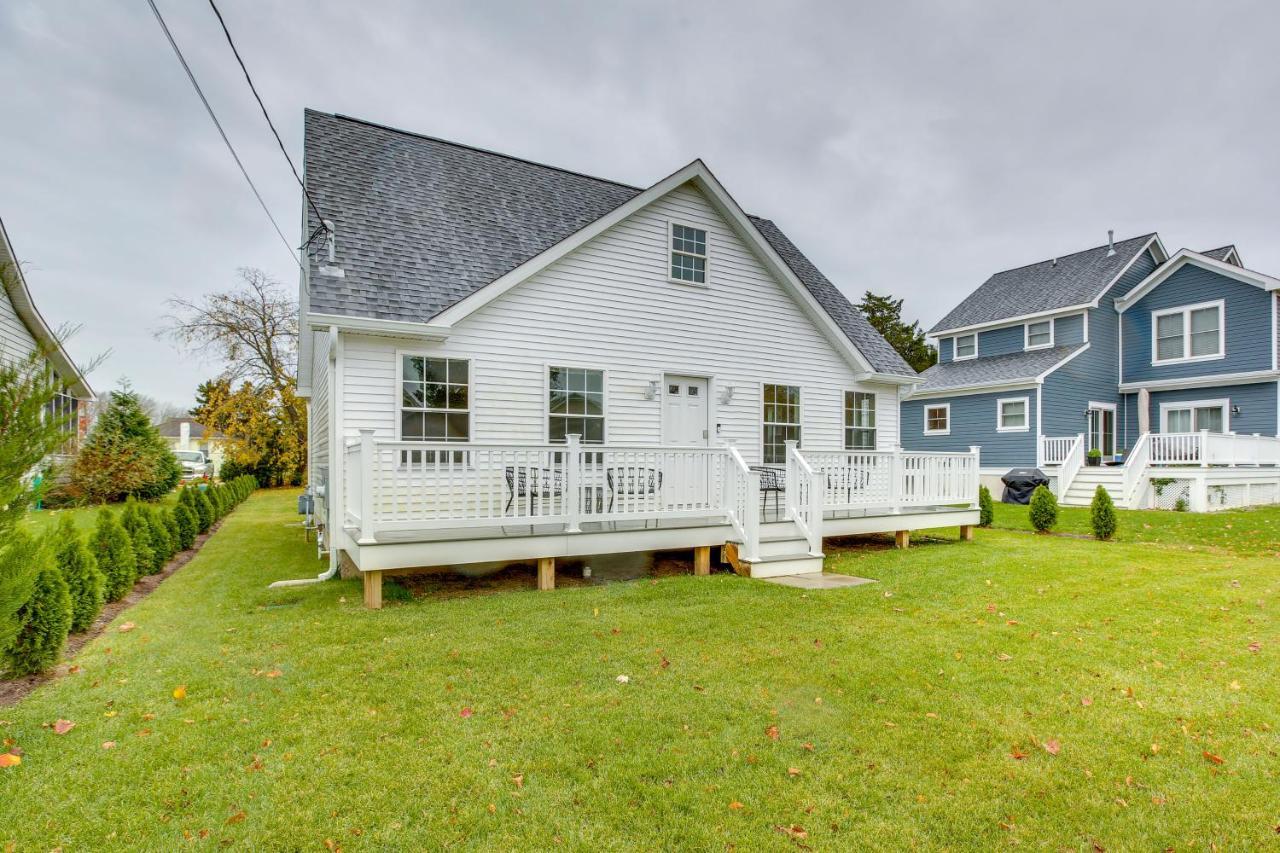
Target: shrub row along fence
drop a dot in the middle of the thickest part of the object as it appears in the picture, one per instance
(75, 578)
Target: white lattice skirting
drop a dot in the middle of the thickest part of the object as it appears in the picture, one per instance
(1211, 492)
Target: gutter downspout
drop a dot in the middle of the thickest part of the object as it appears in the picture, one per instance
(331, 572)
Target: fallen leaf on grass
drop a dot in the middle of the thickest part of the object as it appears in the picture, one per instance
(793, 771)
(238, 817)
(735, 805)
(772, 732)
(518, 779)
(126, 627)
(1052, 746)
(465, 713)
(8, 759)
(1086, 701)
(108, 744)
(275, 673)
(180, 692)
(623, 679)
(1017, 754)
(1235, 685)
(807, 746)
(1255, 647)
(1216, 759)
(792, 831)
(1155, 748)
(1002, 656)
(61, 727)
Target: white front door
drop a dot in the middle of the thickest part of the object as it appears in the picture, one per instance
(684, 411)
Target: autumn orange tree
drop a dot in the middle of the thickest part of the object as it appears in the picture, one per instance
(253, 329)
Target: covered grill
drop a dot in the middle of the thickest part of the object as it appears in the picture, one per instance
(1019, 483)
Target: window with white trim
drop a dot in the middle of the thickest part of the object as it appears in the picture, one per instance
(575, 404)
(1195, 416)
(937, 419)
(781, 421)
(688, 253)
(1190, 333)
(435, 405)
(859, 421)
(966, 346)
(1011, 414)
(1039, 335)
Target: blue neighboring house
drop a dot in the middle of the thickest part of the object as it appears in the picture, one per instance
(1121, 357)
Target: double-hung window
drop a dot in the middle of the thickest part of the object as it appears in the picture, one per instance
(859, 421)
(937, 419)
(575, 404)
(1195, 416)
(435, 402)
(1191, 333)
(688, 253)
(781, 421)
(966, 346)
(1039, 335)
(1011, 414)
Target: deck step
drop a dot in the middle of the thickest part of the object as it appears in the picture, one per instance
(796, 563)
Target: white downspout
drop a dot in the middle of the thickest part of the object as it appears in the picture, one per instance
(331, 572)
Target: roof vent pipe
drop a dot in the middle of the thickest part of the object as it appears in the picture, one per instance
(329, 237)
(1111, 242)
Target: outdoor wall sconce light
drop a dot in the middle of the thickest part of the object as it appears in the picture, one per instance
(651, 393)
(726, 395)
(1235, 410)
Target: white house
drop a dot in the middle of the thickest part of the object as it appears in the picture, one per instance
(23, 331)
(509, 361)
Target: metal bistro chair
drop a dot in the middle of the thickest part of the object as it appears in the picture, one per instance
(533, 483)
(848, 481)
(632, 480)
(771, 480)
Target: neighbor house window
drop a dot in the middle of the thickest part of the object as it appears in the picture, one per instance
(781, 421)
(1039, 335)
(937, 419)
(1011, 414)
(63, 409)
(859, 421)
(688, 253)
(435, 405)
(575, 404)
(1187, 334)
(1195, 416)
(966, 346)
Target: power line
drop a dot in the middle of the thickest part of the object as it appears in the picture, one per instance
(192, 77)
(315, 209)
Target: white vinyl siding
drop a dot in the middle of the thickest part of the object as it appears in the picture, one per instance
(318, 410)
(16, 342)
(609, 305)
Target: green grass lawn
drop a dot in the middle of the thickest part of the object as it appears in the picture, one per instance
(911, 712)
(41, 521)
(1251, 531)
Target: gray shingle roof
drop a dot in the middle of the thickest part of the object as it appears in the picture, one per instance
(1075, 279)
(1220, 254)
(994, 369)
(423, 223)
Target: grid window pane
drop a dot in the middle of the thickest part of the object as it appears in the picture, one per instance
(937, 418)
(688, 253)
(781, 419)
(859, 420)
(576, 404)
(432, 387)
(966, 345)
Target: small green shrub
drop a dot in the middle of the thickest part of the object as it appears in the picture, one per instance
(114, 552)
(43, 622)
(161, 543)
(203, 509)
(85, 582)
(1044, 510)
(134, 522)
(986, 510)
(170, 522)
(1102, 514)
(187, 525)
(1180, 505)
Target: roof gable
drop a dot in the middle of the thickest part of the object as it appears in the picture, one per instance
(1070, 281)
(1227, 254)
(427, 231)
(1181, 259)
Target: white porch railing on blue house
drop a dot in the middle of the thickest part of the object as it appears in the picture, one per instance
(409, 487)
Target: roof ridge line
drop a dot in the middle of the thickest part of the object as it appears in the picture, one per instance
(476, 148)
(1071, 254)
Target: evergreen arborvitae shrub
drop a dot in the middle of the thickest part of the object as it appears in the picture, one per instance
(135, 524)
(188, 527)
(986, 511)
(1044, 509)
(170, 522)
(204, 510)
(1102, 514)
(43, 622)
(114, 551)
(85, 582)
(160, 541)
(124, 455)
(19, 559)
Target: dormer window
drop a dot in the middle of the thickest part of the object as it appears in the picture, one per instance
(966, 346)
(1039, 335)
(688, 253)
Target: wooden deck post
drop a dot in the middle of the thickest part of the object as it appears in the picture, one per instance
(372, 590)
(966, 533)
(546, 573)
(902, 539)
(702, 560)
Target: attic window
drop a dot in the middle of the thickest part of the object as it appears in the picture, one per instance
(1039, 334)
(966, 346)
(688, 253)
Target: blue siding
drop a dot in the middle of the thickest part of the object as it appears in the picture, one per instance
(1248, 325)
(1000, 341)
(973, 421)
(944, 349)
(1068, 330)
(1257, 402)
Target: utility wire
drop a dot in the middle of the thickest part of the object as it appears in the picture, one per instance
(315, 209)
(221, 132)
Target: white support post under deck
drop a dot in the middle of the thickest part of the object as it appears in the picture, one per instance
(367, 462)
(573, 488)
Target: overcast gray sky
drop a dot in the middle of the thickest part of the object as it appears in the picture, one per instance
(908, 148)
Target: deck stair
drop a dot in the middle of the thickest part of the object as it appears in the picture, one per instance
(784, 550)
(1080, 493)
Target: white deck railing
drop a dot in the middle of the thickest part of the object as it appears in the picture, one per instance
(407, 485)
(1070, 462)
(1135, 467)
(1208, 448)
(1055, 449)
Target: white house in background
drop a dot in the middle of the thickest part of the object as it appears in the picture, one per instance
(23, 331)
(182, 434)
(512, 362)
